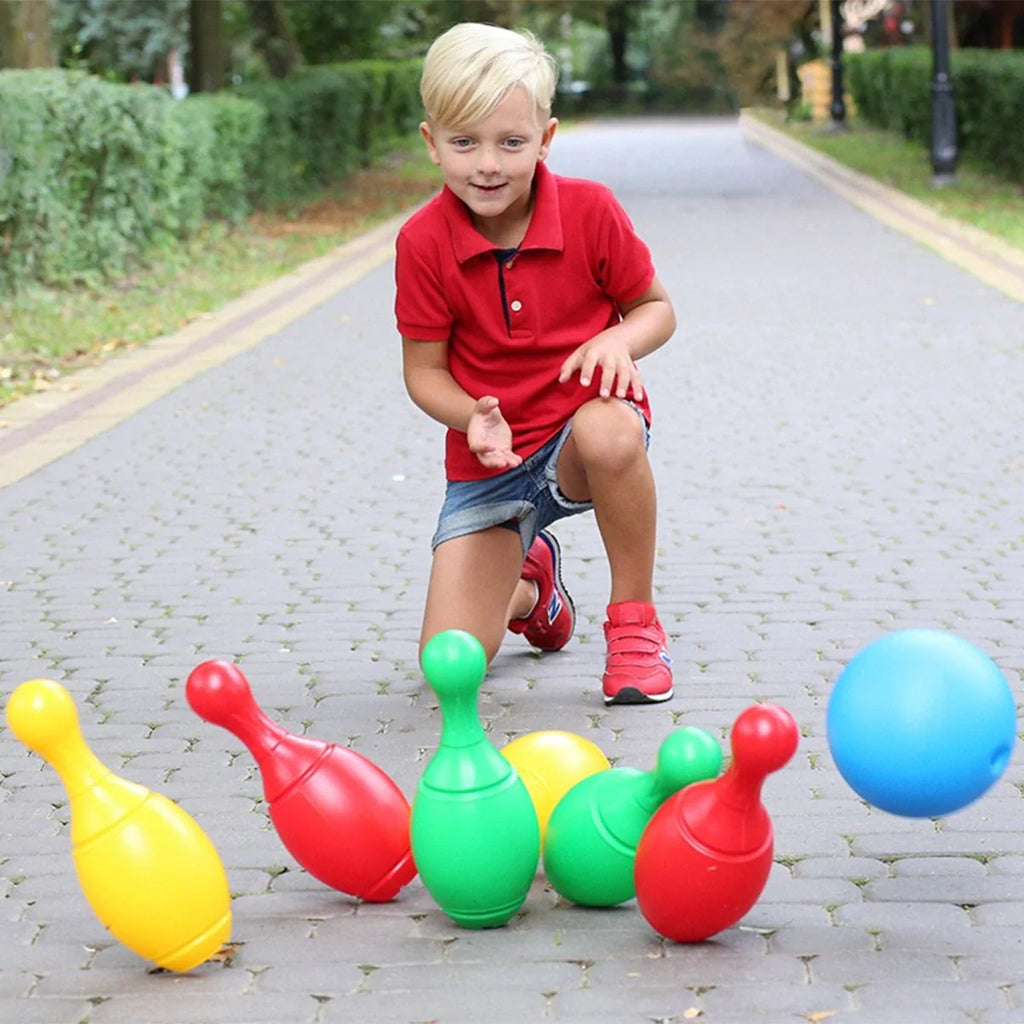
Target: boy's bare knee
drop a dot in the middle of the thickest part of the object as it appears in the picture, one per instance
(471, 584)
(608, 433)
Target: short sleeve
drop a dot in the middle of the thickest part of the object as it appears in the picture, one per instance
(625, 269)
(421, 309)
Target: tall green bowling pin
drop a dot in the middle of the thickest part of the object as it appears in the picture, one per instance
(148, 870)
(475, 836)
(593, 832)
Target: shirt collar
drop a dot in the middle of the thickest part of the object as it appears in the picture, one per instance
(544, 231)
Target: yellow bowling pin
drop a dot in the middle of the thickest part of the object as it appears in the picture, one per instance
(149, 872)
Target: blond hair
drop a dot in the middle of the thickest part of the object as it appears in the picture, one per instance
(469, 69)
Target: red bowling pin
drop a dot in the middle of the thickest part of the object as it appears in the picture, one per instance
(704, 858)
(340, 816)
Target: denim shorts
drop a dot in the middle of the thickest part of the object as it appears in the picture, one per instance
(526, 498)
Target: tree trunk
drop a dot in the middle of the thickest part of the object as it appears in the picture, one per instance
(617, 20)
(206, 57)
(274, 37)
(25, 34)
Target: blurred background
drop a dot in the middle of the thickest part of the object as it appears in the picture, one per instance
(158, 157)
(671, 53)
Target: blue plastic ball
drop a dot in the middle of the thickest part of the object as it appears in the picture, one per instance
(921, 723)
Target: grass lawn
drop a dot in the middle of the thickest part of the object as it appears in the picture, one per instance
(979, 196)
(47, 333)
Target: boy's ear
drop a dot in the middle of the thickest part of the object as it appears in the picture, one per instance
(546, 136)
(428, 138)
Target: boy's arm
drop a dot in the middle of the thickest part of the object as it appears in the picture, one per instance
(432, 387)
(647, 323)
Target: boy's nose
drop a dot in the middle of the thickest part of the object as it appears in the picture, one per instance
(489, 161)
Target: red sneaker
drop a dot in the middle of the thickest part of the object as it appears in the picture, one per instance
(638, 667)
(550, 625)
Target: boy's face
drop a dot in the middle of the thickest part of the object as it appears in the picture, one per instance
(490, 164)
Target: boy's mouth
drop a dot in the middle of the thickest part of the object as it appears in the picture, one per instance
(489, 189)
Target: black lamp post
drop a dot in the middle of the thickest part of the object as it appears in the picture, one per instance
(944, 149)
(838, 108)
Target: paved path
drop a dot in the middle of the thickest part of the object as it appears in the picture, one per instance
(838, 448)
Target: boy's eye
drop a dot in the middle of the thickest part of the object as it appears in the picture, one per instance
(513, 143)
(462, 143)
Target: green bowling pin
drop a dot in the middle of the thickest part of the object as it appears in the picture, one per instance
(593, 832)
(474, 830)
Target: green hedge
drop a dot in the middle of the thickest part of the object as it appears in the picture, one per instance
(324, 121)
(93, 175)
(989, 90)
(220, 134)
(892, 89)
(97, 173)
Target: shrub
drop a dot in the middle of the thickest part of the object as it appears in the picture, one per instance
(892, 89)
(94, 174)
(989, 91)
(324, 121)
(222, 135)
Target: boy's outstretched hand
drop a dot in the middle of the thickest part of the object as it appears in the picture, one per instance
(611, 358)
(489, 437)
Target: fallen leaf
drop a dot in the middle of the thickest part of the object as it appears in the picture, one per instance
(225, 953)
(820, 1015)
(692, 1013)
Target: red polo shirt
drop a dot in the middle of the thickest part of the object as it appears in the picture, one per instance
(510, 326)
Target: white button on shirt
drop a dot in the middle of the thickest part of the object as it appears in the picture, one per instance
(515, 306)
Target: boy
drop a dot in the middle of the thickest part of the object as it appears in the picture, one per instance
(523, 300)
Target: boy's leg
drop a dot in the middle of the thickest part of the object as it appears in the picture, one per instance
(605, 460)
(473, 582)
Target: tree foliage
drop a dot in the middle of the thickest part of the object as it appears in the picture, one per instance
(756, 30)
(626, 47)
(127, 41)
(273, 37)
(328, 32)
(684, 60)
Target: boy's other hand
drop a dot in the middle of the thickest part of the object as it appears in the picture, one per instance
(489, 437)
(612, 360)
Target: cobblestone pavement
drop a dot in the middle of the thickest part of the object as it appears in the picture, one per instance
(838, 449)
